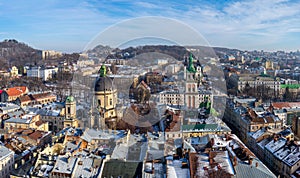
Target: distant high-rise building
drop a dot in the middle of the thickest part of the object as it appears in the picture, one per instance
(50, 54)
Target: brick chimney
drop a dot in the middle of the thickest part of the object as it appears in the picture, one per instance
(211, 161)
(234, 161)
(256, 164)
(250, 161)
(227, 137)
(212, 141)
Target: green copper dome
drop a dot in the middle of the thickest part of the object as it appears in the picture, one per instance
(102, 71)
(191, 67)
(70, 99)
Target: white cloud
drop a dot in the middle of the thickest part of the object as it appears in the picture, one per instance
(238, 23)
(256, 22)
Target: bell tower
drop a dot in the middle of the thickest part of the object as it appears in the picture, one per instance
(105, 99)
(70, 106)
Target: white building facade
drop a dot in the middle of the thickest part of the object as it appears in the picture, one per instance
(6, 161)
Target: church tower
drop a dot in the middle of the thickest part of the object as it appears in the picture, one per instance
(191, 85)
(70, 112)
(70, 106)
(106, 100)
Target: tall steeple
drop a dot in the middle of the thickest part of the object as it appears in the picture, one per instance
(191, 67)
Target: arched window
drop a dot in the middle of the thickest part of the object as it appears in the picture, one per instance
(193, 102)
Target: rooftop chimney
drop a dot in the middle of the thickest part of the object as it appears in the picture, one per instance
(250, 161)
(234, 161)
(211, 161)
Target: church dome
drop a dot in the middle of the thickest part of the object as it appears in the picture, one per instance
(70, 99)
(103, 84)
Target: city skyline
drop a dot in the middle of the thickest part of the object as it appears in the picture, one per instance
(70, 26)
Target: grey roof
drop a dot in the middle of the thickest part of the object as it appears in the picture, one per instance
(293, 158)
(245, 100)
(286, 132)
(70, 147)
(279, 111)
(86, 168)
(174, 168)
(264, 142)
(4, 151)
(16, 113)
(258, 133)
(221, 158)
(244, 170)
(8, 106)
(115, 168)
(52, 109)
(275, 145)
(124, 150)
(64, 164)
(17, 120)
(284, 151)
(92, 134)
(45, 112)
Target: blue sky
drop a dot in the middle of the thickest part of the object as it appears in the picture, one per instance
(70, 25)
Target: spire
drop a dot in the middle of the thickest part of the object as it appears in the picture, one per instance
(102, 71)
(191, 65)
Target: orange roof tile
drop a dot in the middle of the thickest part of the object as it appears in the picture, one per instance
(16, 91)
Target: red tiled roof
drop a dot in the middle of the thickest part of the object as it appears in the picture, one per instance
(43, 96)
(25, 98)
(37, 97)
(16, 91)
(36, 135)
(286, 105)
